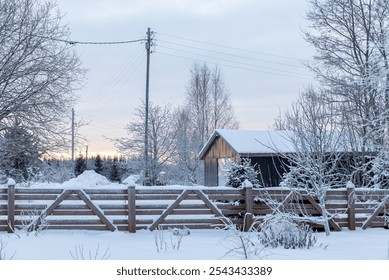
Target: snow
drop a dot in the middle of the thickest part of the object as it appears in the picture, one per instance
(88, 179)
(370, 244)
(131, 180)
(253, 141)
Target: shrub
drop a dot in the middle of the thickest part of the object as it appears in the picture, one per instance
(285, 230)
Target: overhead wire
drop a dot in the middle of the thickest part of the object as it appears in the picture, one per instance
(133, 62)
(232, 48)
(237, 62)
(71, 42)
(299, 65)
(99, 119)
(231, 57)
(235, 67)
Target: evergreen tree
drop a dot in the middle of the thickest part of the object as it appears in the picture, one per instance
(80, 165)
(98, 165)
(237, 173)
(114, 174)
(19, 152)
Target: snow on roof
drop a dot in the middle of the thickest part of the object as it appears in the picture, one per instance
(252, 141)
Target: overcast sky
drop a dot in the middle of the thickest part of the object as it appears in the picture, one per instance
(258, 45)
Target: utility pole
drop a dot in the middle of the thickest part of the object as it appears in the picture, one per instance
(73, 136)
(86, 157)
(148, 48)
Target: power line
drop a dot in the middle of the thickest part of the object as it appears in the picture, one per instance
(102, 120)
(70, 42)
(233, 48)
(235, 67)
(112, 86)
(237, 62)
(234, 55)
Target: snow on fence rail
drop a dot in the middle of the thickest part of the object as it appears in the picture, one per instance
(131, 209)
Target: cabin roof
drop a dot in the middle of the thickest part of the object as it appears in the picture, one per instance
(251, 142)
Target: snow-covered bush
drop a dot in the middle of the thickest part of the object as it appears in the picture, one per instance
(242, 244)
(237, 173)
(54, 171)
(285, 230)
(32, 223)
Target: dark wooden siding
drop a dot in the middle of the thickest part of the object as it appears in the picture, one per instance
(210, 171)
(271, 169)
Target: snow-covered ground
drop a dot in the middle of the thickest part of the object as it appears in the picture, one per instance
(370, 244)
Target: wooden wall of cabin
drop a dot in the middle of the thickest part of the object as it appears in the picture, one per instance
(219, 149)
(271, 169)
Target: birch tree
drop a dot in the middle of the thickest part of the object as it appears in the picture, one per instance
(208, 102)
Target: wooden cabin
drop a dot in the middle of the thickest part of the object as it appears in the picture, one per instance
(263, 148)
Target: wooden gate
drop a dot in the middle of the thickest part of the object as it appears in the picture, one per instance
(74, 194)
(189, 194)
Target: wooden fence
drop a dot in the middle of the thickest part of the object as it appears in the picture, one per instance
(131, 209)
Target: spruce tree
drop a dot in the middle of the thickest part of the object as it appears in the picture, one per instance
(80, 165)
(114, 174)
(237, 173)
(99, 165)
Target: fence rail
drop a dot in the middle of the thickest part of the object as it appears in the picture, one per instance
(131, 209)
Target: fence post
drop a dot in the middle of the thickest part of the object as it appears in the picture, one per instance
(248, 196)
(351, 205)
(131, 208)
(11, 206)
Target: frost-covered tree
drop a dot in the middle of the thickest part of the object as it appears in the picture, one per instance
(351, 63)
(186, 167)
(237, 173)
(38, 71)
(316, 164)
(380, 170)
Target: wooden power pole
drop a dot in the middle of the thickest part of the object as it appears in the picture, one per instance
(146, 155)
(73, 135)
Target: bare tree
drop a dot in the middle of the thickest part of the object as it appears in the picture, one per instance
(38, 71)
(208, 102)
(161, 133)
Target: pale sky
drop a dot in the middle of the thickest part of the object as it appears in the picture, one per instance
(257, 44)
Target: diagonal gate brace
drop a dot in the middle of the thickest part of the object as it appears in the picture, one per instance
(83, 196)
(180, 198)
